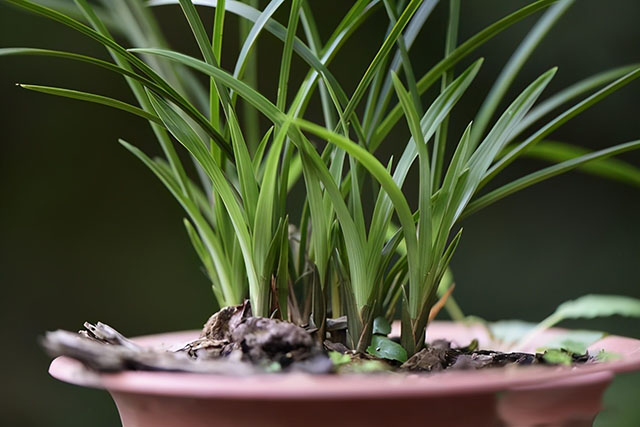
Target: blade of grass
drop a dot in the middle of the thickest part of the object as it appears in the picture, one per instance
(438, 110)
(613, 169)
(189, 138)
(135, 80)
(424, 221)
(106, 41)
(379, 172)
(93, 98)
(251, 122)
(208, 237)
(244, 167)
(384, 50)
(410, 35)
(456, 56)
(216, 93)
(280, 32)
(259, 154)
(216, 47)
(557, 122)
(205, 258)
(495, 141)
(285, 63)
(440, 142)
(406, 61)
(266, 214)
(252, 96)
(515, 64)
(545, 174)
(570, 93)
(315, 44)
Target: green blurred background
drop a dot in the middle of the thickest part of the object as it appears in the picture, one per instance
(87, 233)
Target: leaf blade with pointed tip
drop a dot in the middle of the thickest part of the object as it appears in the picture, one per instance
(385, 348)
(545, 174)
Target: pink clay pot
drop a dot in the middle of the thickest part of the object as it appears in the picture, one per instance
(526, 396)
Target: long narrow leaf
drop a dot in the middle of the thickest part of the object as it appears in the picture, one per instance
(96, 99)
(545, 174)
(614, 169)
(515, 64)
(559, 121)
(456, 56)
(189, 138)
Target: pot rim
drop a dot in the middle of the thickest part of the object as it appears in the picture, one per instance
(298, 386)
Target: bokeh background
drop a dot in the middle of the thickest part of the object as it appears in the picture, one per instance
(87, 233)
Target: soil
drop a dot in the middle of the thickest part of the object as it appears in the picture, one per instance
(234, 342)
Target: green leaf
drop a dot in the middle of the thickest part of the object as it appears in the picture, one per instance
(417, 287)
(608, 356)
(96, 99)
(246, 176)
(381, 326)
(384, 348)
(258, 155)
(545, 174)
(510, 331)
(256, 99)
(557, 122)
(591, 306)
(216, 47)
(280, 32)
(571, 92)
(383, 94)
(198, 30)
(363, 367)
(315, 44)
(456, 56)
(338, 358)
(381, 174)
(608, 168)
(515, 64)
(439, 146)
(183, 132)
(206, 260)
(136, 83)
(407, 67)
(89, 32)
(251, 38)
(495, 141)
(285, 64)
(557, 357)
(218, 31)
(384, 50)
(586, 307)
(319, 238)
(265, 209)
(229, 289)
(576, 341)
(282, 272)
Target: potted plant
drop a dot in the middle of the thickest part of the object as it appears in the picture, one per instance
(319, 292)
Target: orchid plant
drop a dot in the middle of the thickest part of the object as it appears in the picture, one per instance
(339, 257)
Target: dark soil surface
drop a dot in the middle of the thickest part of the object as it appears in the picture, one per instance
(236, 343)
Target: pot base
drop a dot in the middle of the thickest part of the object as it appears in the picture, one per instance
(525, 396)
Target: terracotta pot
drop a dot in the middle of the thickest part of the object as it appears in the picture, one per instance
(554, 396)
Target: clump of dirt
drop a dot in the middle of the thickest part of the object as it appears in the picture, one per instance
(233, 333)
(440, 356)
(234, 342)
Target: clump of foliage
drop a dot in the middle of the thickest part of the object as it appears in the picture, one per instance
(337, 258)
